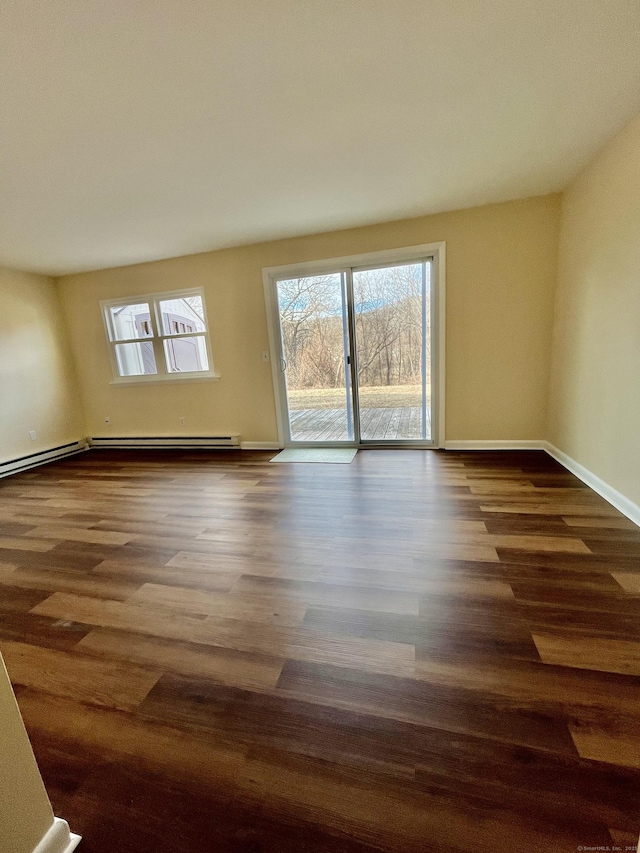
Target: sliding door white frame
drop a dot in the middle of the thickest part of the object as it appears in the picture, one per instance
(433, 252)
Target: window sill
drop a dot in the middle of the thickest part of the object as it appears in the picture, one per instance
(165, 380)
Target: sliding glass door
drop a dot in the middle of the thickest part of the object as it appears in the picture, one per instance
(315, 358)
(355, 353)
(393, 352)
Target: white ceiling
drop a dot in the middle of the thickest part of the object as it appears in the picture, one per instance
(132, 130)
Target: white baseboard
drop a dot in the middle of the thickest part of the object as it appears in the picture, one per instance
(170, 442)
(493, 444)
(32, 460)
(259, 445)
(59, 839)
(613, 496)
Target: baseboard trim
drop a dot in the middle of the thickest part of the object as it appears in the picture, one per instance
(613, 496)
(32, 460)
(59, 838)
(259, 445)
(167, 442)
(492, 444)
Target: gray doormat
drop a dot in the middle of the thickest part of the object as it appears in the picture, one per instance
(342, 455)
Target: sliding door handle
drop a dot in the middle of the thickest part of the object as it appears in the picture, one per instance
(283, 364)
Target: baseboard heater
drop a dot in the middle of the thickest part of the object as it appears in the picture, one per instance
(178, 442)
(23, 463)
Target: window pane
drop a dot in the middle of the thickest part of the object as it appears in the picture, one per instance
(392, 309)
(135, 359)
(131, 321)
(186, 355)
(181, 316)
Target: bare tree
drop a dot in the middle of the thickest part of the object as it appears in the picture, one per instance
(388, 306)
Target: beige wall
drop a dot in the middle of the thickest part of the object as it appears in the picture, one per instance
(594, 413)
(38, 388)
(501, 262)
(25, 812)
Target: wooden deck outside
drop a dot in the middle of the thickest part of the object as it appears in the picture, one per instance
(402, 422)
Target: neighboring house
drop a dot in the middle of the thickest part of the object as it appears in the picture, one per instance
(183, 354)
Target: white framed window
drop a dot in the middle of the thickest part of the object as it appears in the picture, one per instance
(159, 337)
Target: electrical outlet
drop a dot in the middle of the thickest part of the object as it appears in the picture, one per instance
(33, 434)
(182, 421)
(265, 356)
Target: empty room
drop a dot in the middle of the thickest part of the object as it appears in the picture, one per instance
(319, 426)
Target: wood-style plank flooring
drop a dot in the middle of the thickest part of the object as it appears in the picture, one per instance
(419, 651)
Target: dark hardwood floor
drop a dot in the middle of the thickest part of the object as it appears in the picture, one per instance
(419, 651)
